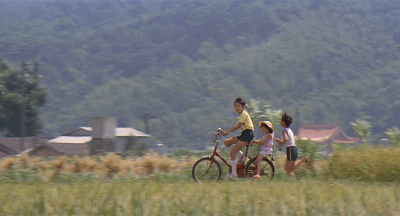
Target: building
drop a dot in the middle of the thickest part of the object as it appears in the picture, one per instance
(325, 134)
(11, 146)
(42, 151)
(81, 141)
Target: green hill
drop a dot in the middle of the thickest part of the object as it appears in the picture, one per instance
(186, 61)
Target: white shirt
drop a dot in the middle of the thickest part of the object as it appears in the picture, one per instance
(290, 141)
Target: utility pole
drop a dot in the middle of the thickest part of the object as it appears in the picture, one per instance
(36, 106)
(147, 117)
(23, 128)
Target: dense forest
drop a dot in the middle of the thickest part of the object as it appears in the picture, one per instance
(184, 62)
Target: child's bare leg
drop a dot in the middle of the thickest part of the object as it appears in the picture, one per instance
(259, 158)
(289, 168)
(228, 142)
(239, 145)
(297, 164)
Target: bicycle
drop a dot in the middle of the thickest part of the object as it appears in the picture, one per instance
(209, 169)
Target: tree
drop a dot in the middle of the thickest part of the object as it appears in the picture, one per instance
(255, 111)
(20, 99)
(393, 135)
(362, 128)
(274, 116)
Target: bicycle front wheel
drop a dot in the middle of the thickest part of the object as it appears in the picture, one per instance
(267, 168)
(206, 169)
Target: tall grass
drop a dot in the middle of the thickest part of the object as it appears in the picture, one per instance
(160, 185)
(366, 164)
(241, 197)
(100, 167)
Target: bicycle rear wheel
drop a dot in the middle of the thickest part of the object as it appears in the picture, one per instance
(206, 169)
(267, 168)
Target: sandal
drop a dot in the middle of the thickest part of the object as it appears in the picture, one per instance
(257, 176)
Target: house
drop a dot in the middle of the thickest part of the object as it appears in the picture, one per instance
(325, 134)
(81, 141)
(6, 151)
(41, 151)
(10, 146)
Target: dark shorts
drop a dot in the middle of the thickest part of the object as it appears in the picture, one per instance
(246, 136)
(292, 153)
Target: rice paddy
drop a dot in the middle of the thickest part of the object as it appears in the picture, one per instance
(348, 183)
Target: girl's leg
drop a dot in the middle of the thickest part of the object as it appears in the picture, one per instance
(259, 158)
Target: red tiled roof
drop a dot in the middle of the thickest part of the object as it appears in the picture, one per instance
(324, 133)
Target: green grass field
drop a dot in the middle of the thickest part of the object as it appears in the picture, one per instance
(351, 182)
(239, 197)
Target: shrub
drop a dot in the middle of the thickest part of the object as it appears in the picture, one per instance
(8, 163)
(77, 165)
(23, 160)
(89, 164)
(165, 164)
(148, 164)
(112, 164)
(365, 163)
(59, 163)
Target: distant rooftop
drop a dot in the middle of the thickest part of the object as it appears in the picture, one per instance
(325, 134)
(71, 139)
(119, 132)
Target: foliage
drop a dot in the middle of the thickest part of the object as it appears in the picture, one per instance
(20, 99)
(393, 135)
(309, 148)
(363, 129)
(186, 61)
(274, 116)
(365, 164)
(255, 111)
(136, 148)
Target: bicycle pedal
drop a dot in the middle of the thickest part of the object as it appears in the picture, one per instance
(272, 159)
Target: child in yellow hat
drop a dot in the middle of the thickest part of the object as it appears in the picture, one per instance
(266, 143)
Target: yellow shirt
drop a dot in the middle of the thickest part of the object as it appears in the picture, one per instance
(246, 120)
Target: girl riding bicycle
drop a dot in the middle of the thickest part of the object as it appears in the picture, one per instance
(266, 143)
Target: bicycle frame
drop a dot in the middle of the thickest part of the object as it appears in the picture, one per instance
(240, 167)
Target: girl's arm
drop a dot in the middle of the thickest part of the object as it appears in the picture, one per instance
(261, 141)
(239, 125)
(285, 139)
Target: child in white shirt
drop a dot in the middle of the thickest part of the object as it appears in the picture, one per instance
(292, 151)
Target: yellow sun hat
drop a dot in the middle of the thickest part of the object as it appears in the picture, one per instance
(268, 123)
